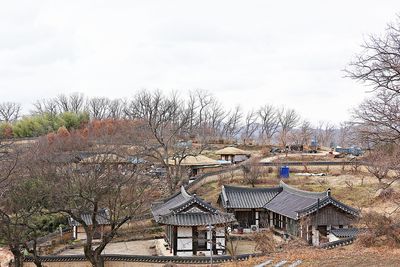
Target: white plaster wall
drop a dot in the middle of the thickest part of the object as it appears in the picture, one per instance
(184, 231)
(220, 243)
(184, 243)
(184, 253)
(332, 237)
(220, 231)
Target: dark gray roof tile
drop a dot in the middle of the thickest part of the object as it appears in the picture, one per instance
(196, 219)
(345, 232)
(247, 198)
(102, 218)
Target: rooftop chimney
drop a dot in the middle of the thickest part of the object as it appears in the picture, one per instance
(328, 192)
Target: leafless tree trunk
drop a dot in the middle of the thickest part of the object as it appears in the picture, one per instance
(100, 185)
(45, 106)
(116, 109)
(325, 133)
(232, 125)
(9, 111)
(250, 126)
(288, 120)
(166, 124)
(98, 107)
(378, 67)
(269, 122)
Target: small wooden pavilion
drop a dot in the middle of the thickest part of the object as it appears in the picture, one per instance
(192, 226)
(233, 154)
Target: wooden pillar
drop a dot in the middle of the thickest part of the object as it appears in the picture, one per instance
(175, 240)
(214, 241)
(195, 236)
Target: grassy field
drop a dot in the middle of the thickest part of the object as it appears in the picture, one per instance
(355, 189)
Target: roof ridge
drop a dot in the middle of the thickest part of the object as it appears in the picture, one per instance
(252, 188)
(301, 192)
(184, 193)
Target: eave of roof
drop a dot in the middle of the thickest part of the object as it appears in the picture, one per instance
(194, 199)
(196, 219)
(231, 151)
(324, 202)
(345, 232)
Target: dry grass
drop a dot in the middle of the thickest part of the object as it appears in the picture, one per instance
(344, 256)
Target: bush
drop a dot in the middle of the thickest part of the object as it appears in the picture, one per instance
(265, 241)
(380, 230)
(33, 126)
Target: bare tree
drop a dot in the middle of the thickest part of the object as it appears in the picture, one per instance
(288, 120)
(269, 122)
(165, 126)
(216, 117)
(204, 100)
(250, 126)
(346, 134)
(63, 103)
(9, 111)
(116, 109)
(76, 102)
(379, 118)
(324, 133)
(232, 126)
(378, 64)
(98, 107)
(378, 67)
(45, 106)
(102, 184)
(20, 200)
(378, 163)
(305, 133)
(252, 171)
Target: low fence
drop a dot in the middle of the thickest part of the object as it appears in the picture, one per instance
(311, 163)
(119, 260)
(201, 179)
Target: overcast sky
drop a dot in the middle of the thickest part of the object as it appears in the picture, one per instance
(250, 53)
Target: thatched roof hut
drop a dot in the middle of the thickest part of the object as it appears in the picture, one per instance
(199, 160)
(232, 151)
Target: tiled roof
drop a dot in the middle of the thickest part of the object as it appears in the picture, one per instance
(247, 198)
(198, 218)
(187, 210)
(325, 201)
(290, 200)
(345, 232)
(102, 217)
(164, 206)
(285, 200)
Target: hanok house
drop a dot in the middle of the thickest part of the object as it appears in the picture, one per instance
(195, 165)
(192, 226)
(233, 154)
(311, 215)
(102, 219)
